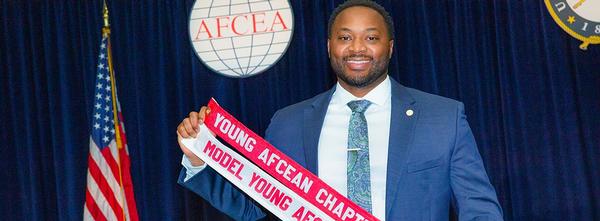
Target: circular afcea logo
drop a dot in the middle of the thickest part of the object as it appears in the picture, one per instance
(240, 38)
(579, 18)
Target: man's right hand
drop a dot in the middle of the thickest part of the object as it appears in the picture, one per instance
(190, 127)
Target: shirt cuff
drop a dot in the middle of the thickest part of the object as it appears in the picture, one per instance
(190, 170)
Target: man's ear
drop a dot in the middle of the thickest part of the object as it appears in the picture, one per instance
(391, 48)
(328, 49)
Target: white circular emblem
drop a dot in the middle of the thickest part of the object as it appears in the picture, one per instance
(240, 38)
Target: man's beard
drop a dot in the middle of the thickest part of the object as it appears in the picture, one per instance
(378, 69)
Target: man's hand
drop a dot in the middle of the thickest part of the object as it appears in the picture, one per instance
(190, 127)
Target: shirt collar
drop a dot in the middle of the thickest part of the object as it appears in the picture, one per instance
(378, 96)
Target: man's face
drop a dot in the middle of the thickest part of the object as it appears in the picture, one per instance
(359, 47)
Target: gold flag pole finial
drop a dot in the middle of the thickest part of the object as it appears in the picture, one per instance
(105, 15)
(105, 29)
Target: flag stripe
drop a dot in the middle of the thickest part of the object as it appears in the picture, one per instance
(110, 197)
(127, 185)
(126, 211)
(102, 203)
(111, 154)
(86, 213)
(107, 169)
(91, 209)
(125, 166)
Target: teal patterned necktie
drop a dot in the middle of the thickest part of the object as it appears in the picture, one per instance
(359, 170)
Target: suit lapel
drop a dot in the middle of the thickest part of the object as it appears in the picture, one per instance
(314, 115)
(401, 134)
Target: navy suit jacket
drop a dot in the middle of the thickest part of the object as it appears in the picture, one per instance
(433, 161)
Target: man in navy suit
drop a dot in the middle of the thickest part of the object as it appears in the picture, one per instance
(418, 156)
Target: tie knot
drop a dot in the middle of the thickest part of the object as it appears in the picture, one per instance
(359, 106)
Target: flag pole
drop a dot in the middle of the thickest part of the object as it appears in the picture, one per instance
(117, 122)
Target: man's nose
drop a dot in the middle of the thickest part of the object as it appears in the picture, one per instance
(358, 46)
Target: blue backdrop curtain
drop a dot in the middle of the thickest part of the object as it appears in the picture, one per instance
(531, 95)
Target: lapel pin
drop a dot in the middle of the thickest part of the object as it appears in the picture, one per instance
(409, 112)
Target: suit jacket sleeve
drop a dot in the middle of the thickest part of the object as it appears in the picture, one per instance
(475, 197)
(222, 195)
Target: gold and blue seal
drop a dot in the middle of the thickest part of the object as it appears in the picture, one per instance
(579, 18)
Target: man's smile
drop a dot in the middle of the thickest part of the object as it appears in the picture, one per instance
(358, 63)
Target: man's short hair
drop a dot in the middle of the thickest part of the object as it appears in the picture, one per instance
(389, 23)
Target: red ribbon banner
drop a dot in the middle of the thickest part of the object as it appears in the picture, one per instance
(283, 168)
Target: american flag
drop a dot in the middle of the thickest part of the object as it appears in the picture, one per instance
(109, 193)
